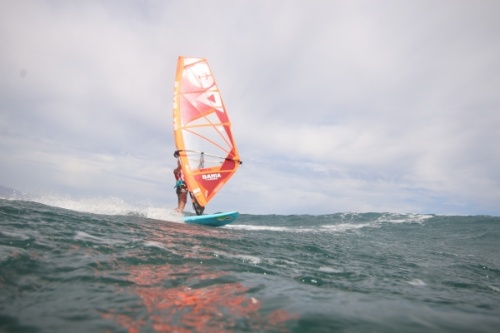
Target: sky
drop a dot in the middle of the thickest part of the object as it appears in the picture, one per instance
(336, 106)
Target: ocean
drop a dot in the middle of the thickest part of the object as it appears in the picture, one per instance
(67, 270)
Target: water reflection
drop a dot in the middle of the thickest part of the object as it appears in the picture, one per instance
(190, 297)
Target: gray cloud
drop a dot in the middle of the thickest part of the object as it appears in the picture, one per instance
(337, 106)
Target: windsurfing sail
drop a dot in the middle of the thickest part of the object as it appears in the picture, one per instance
(202, 131)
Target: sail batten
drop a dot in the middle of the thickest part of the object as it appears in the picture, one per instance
(202, 129)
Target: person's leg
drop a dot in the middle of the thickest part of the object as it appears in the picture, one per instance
(182, 201)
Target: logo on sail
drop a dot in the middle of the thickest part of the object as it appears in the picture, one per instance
(211, 176)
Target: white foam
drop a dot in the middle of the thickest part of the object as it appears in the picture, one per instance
(157, 245)
(15, 235)
(417, 283)
(252, 259)
(403, 218)
(495, 288)
(110, 206)
(329, 270)
(243, 257)
(379, 222)
(343, 227)
(257, 227)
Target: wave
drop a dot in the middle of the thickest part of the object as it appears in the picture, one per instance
(101, 206)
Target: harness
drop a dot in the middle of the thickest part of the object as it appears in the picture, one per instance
(180, 183)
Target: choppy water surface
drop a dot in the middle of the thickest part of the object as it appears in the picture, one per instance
(67, 271)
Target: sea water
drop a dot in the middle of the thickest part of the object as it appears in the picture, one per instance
(64, 270)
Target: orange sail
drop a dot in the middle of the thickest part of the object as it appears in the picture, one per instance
(202, 131)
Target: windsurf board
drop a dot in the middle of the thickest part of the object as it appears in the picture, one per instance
(212, 220)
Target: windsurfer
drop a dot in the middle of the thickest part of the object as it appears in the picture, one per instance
(180, 188)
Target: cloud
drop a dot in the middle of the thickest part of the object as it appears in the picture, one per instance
(336, 106)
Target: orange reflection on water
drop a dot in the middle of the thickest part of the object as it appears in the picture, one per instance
(216, 307)
(187, 297)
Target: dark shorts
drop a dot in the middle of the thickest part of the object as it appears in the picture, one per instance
(180, 189)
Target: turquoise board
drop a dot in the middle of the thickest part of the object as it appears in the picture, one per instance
(212, 220)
